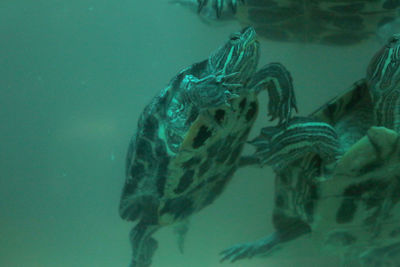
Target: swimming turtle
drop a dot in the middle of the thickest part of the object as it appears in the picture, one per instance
(190, 137)
(332, 22)
(338, 171)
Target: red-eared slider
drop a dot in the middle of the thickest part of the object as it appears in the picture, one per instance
(338, 172)
(336, 22)
(190, 137)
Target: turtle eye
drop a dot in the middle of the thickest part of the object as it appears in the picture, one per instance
(234, 37)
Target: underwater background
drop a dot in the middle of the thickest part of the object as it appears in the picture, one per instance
(74, 77)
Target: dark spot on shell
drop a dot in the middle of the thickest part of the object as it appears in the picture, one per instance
(191, 162)
(204, 167)
(185, 181)
(346, 211)
(203, 134)
(251, 111)
(219, 116)
(161, 175)
(242, 105)
(150, 127)
(180, 207)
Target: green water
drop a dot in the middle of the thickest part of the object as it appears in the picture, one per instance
(74, 77)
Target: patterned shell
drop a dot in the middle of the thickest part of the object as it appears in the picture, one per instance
(350, 205)
(332, 22)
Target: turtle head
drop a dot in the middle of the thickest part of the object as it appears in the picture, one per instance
(238, 57)
(383, 73)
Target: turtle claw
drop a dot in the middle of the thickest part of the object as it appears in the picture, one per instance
(218, 6)
(201, 4)
(237, 252)
(251, 249)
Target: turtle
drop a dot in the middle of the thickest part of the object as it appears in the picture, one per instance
(190, 137)
(329, 22)
(337, 172)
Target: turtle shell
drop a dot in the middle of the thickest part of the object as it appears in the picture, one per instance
(340, 22)
(350, 206)
(199, 156)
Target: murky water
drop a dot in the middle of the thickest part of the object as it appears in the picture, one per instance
(75, 76)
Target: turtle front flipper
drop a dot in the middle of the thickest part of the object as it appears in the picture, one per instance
(281, 145)
(287, 229)
(276, 79)
(143, 245)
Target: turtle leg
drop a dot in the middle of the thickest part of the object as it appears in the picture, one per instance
(281, 145)
(181, 230)
(287, 229)
(276, 79)
(143, 245)
(387, 110)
